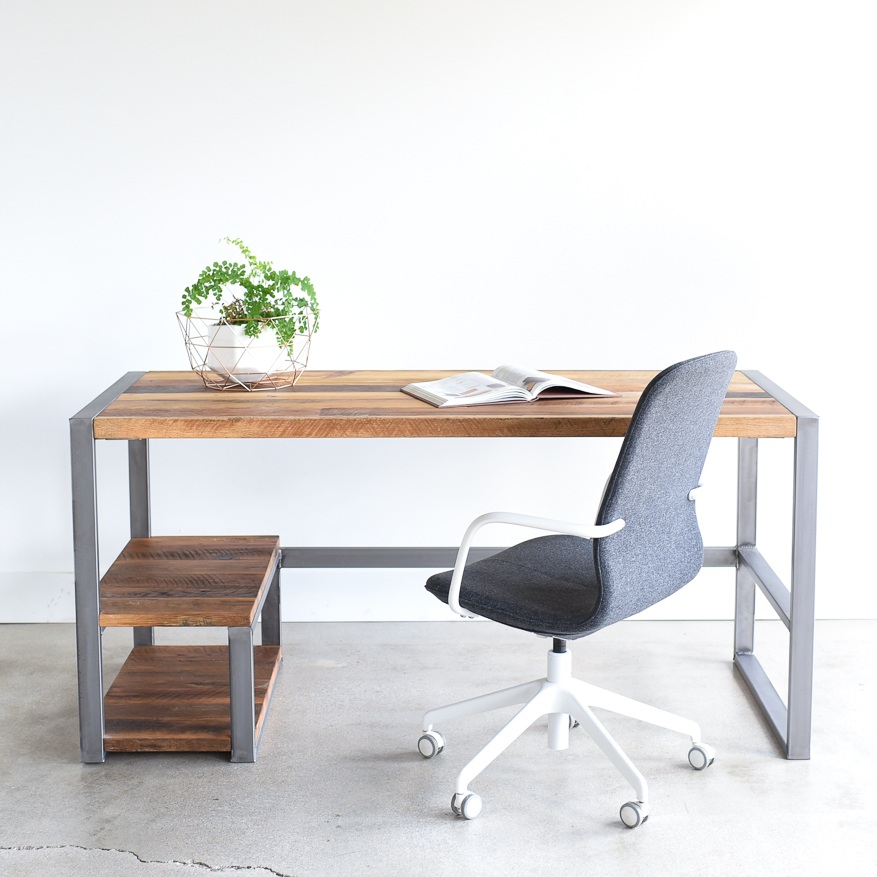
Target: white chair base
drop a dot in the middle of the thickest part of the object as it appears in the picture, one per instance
(561, 698)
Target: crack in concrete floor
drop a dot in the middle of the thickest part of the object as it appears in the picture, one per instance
(199, 867)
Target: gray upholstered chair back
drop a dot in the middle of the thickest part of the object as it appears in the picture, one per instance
(660, 548)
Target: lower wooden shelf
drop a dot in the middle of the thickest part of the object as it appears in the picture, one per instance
(176, 699)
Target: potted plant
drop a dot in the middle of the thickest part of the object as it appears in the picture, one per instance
(248, 324)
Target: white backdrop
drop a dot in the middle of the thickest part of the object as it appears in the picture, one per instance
(564, 184)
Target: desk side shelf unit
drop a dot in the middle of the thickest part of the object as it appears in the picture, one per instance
(193, 698)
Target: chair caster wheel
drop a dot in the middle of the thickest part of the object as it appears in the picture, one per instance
(701, 756)
(430, 744)
(634, 813)
(468, 806)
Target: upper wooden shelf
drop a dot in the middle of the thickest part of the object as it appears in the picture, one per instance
(188, 581)
(369, 404)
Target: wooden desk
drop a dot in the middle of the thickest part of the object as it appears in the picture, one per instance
(367, 404)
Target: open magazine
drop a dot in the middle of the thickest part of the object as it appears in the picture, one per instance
(508, 383)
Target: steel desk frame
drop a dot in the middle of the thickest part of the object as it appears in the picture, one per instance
(794, 605)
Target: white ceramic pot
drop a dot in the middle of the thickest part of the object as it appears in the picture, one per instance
(233, 353)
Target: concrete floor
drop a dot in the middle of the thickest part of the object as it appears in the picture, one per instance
(339, 789)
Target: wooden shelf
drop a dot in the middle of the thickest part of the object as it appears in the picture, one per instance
(176, 699)
(188, 581)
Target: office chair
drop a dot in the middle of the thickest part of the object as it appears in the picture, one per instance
(644, 546)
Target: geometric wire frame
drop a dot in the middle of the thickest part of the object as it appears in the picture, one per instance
(227, 358)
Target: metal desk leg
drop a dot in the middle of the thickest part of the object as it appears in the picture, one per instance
(141, 519)
(753, 570)
(89, 657)
(86, 571)
(242, 694)
(803, 591)
(747, 495)
(271, 611)
(795, 605)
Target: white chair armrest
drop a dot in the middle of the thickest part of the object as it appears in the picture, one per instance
(586, 531)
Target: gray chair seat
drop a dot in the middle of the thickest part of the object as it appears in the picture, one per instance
(547, 586)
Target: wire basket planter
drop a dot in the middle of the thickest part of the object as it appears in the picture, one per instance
(226, 357)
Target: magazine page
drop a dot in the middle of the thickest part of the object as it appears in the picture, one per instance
(530, 379)
(537, 383)
(469, 388)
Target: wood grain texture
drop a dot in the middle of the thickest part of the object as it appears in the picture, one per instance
(369, 404)
(176, 699)
(184, 581)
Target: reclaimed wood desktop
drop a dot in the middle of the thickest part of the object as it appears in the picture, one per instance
(143, 406)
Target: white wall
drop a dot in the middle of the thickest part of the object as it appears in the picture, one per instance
(566, 184)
